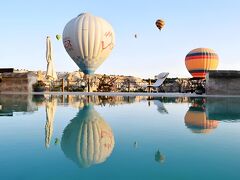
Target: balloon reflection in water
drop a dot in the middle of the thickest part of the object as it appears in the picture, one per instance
(196, 119)
(56, 142)
(159, 157)
(88, 139)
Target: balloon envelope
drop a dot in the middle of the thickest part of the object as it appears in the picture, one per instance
(160, 24)
(199, 61)
(88, 40)
(58, 37)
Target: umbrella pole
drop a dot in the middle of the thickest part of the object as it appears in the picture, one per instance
(62, 85)
(88, 83)
(149, 83)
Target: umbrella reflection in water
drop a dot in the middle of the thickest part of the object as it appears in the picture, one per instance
(50, 113)
(160, 107)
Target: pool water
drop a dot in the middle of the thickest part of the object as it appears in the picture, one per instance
(80, 137)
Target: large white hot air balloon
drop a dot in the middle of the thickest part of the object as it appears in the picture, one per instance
(88, 40)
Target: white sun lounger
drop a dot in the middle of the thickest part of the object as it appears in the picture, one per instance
(160, 79)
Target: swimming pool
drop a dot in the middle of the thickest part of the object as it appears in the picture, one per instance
(100, 137)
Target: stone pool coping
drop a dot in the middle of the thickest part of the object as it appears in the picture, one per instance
(122, 94)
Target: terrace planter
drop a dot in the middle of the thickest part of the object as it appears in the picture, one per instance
(39, 89)
(39, 86)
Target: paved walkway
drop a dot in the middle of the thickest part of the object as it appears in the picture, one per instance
(123, 94)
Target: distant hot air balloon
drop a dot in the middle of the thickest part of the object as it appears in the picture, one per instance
(88, 139)
(160, 24)
(135, 35)
(199, 61)
(58, 37)
(88, 40)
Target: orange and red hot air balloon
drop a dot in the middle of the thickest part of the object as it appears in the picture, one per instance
(201, 60)
(160, 24)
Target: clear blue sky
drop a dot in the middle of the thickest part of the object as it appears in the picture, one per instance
(189, 24)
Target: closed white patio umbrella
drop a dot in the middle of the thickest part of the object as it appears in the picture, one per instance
(51, 73)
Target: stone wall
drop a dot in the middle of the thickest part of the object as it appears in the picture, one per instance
(223, 82)
(17, 82)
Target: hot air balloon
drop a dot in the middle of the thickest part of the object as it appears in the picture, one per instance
(58, 37)
(88, 40)
(199, 61)
(160, 24)
(135, 35)
(88, 139)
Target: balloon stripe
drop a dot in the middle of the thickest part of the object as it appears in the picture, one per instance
(200, 57)
(201, 54)
(85, 145)
(100, 33)
(85, 37)
(91, 29)
(197, 71)
(199, 75)
(98, 142)
(79, 38)
(201, 64)
(90, 142)
(80, 142)
(96, 40)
